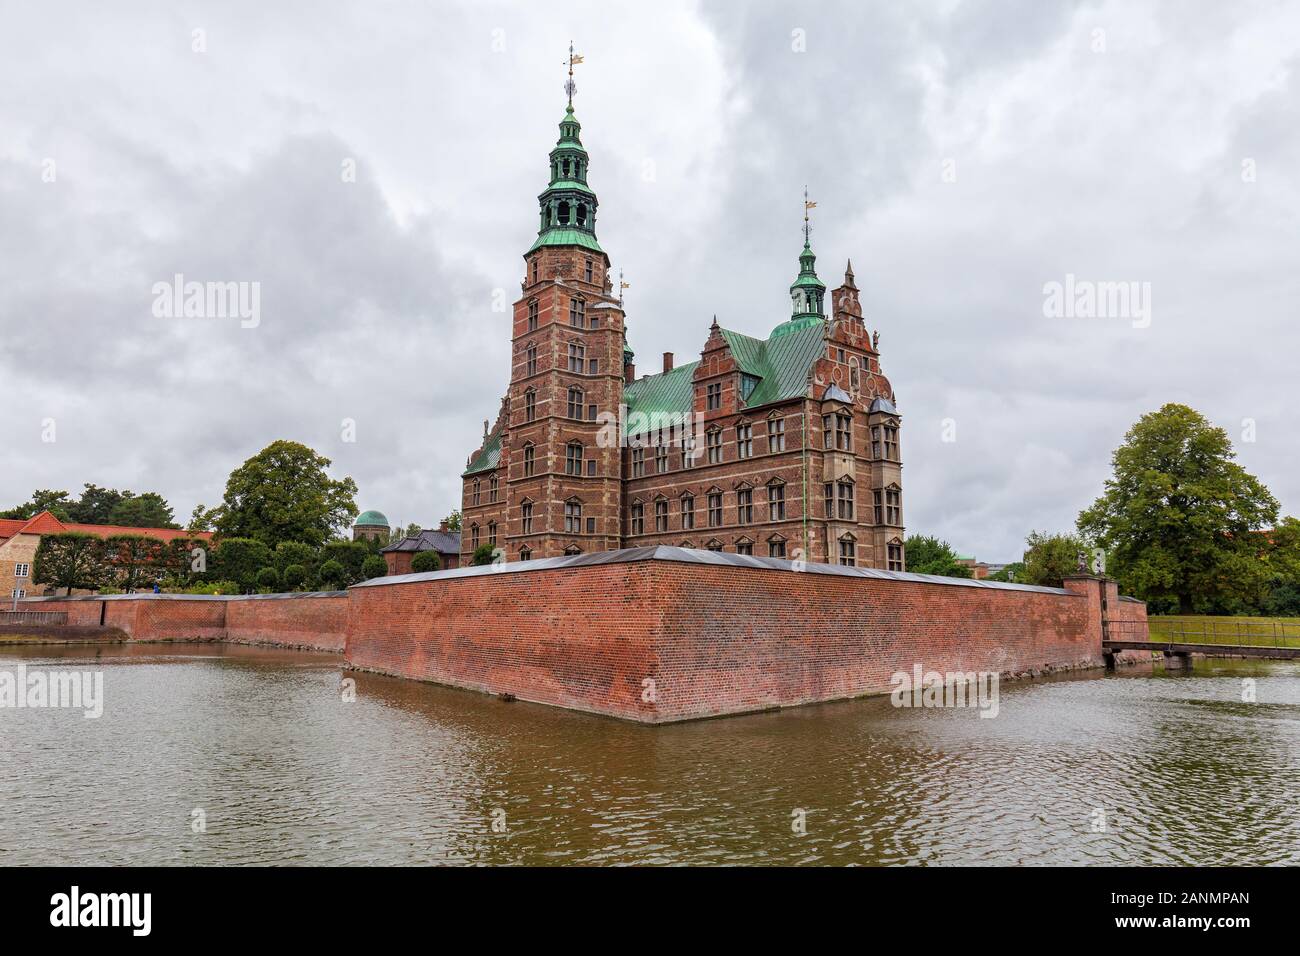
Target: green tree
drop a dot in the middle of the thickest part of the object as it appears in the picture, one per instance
(268, 579)
(373, 567)
(1050, 558)
(350, 555)
(148, 510)
(239, 560)
(927, 555)
(483, 554)
(56, 503)
(453, 520)
(95, 505)
(293, 577)
(284, 494)
(134, 560)
(70, 560)
(1176, 517)
(426, 561)
(333, 576)
(201, 519)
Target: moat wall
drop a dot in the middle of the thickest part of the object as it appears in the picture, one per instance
(316, 621)
(664, 634)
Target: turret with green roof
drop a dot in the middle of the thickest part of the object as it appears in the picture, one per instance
(568, 206)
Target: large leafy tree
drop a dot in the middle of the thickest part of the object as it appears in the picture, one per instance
(239, 560)
(148, 510)
(57, 503)
(927, 555)
(284, 494)
(70, 560)
(135, 559)
(96, 505)
(1051, 558)
(1179, 516)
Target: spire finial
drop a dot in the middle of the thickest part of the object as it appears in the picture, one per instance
(806, 206)
(569, 86)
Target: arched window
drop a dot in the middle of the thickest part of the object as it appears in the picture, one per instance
(776, 546)
(564, 213)
(582, 214)
(848, 550)
(525, 553)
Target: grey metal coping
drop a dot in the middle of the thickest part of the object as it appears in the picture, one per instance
(150, 596)
(696, 556)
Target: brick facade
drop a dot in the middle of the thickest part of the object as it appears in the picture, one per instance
(548, 480)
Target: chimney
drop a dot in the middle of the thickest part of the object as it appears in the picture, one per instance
(629, 372)
(668, 361)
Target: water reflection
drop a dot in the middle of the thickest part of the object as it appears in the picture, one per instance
(285, 771)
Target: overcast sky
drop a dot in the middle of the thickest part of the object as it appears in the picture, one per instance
(964, 155)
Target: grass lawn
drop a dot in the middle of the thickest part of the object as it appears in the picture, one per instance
(1213, 629)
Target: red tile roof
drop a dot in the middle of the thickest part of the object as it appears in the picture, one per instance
(46, 523)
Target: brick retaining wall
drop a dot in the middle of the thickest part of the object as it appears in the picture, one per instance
(663, 634)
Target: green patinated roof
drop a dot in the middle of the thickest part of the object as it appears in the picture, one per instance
(489, 457)
(571, 184)
(563, 236)
(372, 517)
(781, 364)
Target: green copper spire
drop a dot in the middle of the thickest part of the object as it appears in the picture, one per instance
(807, 292)
(568, 206)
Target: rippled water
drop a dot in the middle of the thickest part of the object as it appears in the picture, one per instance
(286, 772)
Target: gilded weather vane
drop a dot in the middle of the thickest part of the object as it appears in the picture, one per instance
(569, 86)
(806, 206)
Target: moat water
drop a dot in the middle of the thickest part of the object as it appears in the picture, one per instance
(1140, 767)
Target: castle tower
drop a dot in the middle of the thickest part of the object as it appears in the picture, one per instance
(563, 488)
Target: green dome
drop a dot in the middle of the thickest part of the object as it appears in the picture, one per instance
(367, 518)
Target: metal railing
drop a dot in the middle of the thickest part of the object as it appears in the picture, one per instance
(33, 617)
(1222, 631)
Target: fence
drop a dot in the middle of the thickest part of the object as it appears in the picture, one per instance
(1226, 631)
(33, 617)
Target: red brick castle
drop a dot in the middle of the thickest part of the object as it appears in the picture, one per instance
(784, 446)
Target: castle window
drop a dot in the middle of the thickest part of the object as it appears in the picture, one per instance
(848, 550)
(530, 460)
(661, 458)
(775, 434)
(638, 462)
(891, 443)
(878, 506)
(582, 214)
(828, 493)
(591, 468)
(776, 547)
(474, 497)
(638, 518)
(588, 271)
(714, 442)
(688, 512)
(535, 261)
(572, 550)
(893, 507)
(744, 546)
(573, 516)
(573, 458)
(845, 496)
(875, 442)
(745, 506)
(895, 551)
(473, 536)
(575, 403)
(577, 313)
(595, 322)
(530, 405)
(526, 517)
(744, 440)
(776, 502)
(532, 313)
(591, 526)
(564, 214)
(661, 514)
(577, 355)
(714, 545)
(843, 431)
(688, 452)
(713, 396)
(492, 533)
(715, 508)
(492, 488)
(591, 413)
(593, 366)
(531, 356)
(525, 553)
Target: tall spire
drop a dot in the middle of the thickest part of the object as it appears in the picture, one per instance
(568, 205)
(807, 292)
